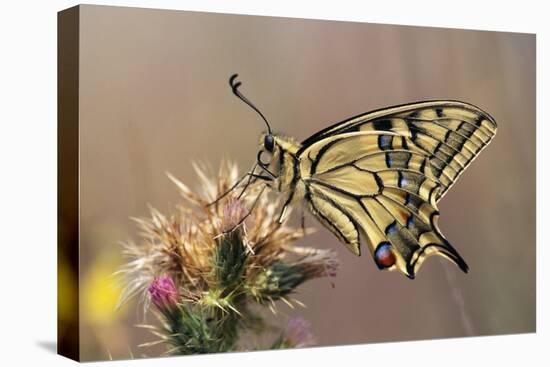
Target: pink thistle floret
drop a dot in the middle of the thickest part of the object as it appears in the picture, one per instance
(234, 212)
(331, 267)
(298, 333)
(164, 293)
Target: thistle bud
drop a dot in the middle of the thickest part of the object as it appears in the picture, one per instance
(234, 213)
(164, 294)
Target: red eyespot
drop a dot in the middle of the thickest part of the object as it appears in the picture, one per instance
(384, 256)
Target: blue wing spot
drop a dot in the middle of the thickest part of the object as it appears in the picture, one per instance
(403, 182)
(389, 160)
(410, 221)
(384, 142)
(391, 229)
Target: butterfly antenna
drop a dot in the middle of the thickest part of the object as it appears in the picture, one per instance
(235, 88)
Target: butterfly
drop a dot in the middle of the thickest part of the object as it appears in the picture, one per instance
(376, 178)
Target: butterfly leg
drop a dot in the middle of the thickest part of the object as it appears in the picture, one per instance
(250, 175)
(284, 213)
(237, 183)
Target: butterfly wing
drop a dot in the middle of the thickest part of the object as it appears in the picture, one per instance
(377, 185)
(451, 133)
(380, 175)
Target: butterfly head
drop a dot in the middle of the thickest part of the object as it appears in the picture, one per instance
(277, 155)
(269, 153)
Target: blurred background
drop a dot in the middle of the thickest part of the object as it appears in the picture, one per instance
(154, 98)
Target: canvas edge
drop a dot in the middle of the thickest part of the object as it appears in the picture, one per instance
(68, 316)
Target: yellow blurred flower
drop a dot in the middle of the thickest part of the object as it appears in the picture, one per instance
(100, 293)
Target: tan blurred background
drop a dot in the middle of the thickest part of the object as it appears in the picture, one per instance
(154, 97)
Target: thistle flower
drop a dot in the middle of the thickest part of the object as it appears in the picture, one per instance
(218, 254)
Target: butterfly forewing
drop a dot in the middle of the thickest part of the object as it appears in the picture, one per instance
(451, 133)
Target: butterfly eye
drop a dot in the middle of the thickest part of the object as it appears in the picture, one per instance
(269, 143)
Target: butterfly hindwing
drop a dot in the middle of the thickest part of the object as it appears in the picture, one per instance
(377, 185)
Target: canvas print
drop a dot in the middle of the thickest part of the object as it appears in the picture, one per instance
(233, 183)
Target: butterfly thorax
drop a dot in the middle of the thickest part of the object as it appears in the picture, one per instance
(283, 164)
